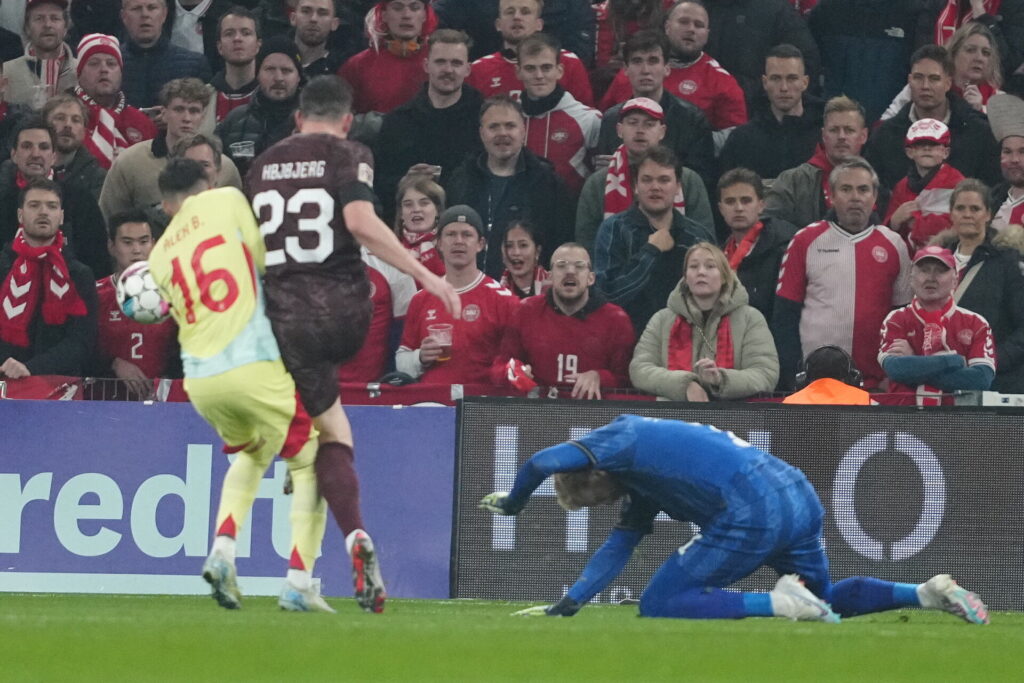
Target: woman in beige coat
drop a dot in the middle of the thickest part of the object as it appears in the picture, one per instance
(709, 343)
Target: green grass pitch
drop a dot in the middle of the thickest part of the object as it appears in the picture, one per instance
(150, 638)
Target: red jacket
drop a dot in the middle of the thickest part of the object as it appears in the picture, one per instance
(933, 217)
(496, 74)
(381, 80)
(704, 83)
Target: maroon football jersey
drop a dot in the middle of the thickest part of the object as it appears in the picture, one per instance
(298, 189)
(151, 347)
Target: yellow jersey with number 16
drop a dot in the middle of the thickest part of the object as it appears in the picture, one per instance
(207, 264)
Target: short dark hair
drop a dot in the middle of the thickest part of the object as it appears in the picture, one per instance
(326, 97)
(738, 176)
(133, 215)
(33, 122)
(449, 36)
(501, 100)
(785, 51)
(647, 40)
(537, 43)
(44, 184)
(239, 11)
(660, 155)
(936, 53)
(179, 176)
(198, 140)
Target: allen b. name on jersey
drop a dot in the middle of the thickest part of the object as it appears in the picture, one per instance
(295, 170)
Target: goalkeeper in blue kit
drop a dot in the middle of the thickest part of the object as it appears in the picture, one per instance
(752, 509)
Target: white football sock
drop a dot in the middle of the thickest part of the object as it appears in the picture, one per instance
(300, 578)
(225, 545)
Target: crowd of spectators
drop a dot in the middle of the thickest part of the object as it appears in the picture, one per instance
(687, 198)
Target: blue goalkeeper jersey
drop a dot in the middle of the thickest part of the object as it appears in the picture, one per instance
(692, 472)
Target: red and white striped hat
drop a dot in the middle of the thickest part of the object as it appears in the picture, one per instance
(927, 130)
(97, 43)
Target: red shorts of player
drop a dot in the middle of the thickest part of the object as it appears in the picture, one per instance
(316, 338)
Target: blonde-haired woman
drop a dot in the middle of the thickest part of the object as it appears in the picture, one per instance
(709, 343)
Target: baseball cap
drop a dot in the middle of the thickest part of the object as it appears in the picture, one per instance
(937, 253)
(644, 104)
(461, 213)
(63, 4)
(928, 130)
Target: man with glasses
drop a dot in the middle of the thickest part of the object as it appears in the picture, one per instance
(570, 337)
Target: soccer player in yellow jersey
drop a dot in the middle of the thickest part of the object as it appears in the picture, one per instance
(207, 266)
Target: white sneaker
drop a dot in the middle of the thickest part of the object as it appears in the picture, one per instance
(220, 573)
(293, 599)
(369, 585)
(942, 592)
(790, 598)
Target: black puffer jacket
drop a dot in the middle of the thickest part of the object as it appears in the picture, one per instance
(257, 125)
(768, 146)
(995, 293)
(973, 150)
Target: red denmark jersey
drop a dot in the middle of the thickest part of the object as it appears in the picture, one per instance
(565, 136)
(390, 291)
(496, 74)
(486, 310)
(381, 80)
(961, 331)
(933, 216)
(847, 284)
(559, 346)
(704, 83)
(151, 347)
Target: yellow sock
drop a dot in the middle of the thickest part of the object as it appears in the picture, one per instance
(308, 517)
(241, 484)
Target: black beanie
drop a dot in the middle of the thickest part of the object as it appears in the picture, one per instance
(284, 45)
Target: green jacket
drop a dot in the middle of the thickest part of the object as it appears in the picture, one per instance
(755, 361)
(796, 196)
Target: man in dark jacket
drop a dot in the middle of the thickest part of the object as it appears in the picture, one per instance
(48, 317)
(973, 150)
(67, 116)
(743, 31)
(438, 127)
(756, 243)
(785, 126)
(267, 119)
(688, 132)
(638, 254)
(570, 21)
(32, 158)
(508, 182)
(150, 60)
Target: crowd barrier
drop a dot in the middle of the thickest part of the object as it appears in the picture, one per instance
(99, 496)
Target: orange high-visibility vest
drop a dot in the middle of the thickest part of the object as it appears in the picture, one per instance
(828, 391)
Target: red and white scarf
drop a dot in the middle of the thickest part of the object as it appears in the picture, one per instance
(49, 70)
(680, 345)
(737, 252)
(541, 282)
(37, 273)
(955, 14)
(618, 186)
(820, 160)
(105, 139)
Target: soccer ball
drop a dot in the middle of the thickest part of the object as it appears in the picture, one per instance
(138, 296)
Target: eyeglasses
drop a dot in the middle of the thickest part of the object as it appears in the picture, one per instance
(562, 264)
